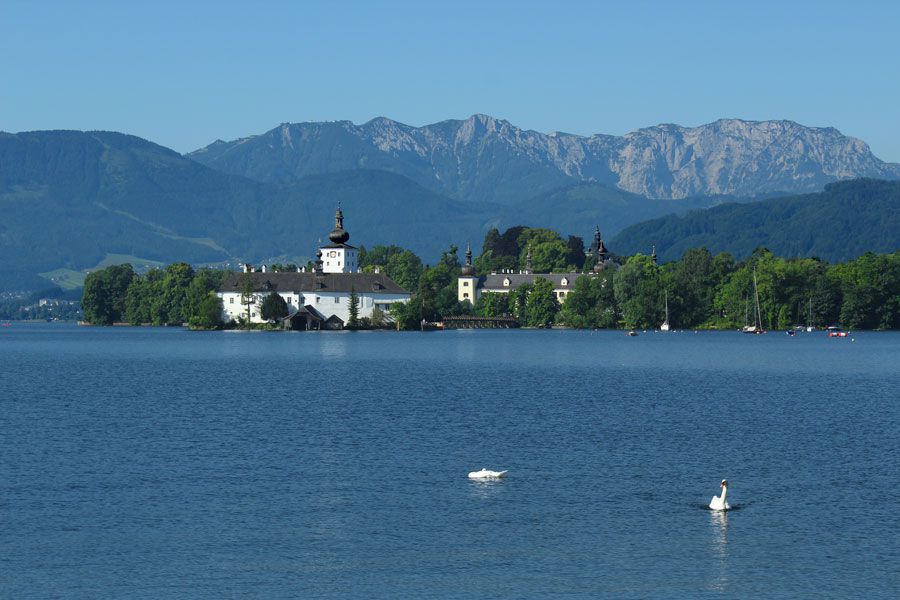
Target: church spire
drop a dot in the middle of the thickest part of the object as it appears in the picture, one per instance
(653, 254)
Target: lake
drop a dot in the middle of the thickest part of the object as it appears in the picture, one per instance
(162, 463)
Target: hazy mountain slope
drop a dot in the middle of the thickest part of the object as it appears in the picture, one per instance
(847, 219)
(579, 207)
(487, 159)
(70, 198)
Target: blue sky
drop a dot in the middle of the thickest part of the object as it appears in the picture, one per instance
(185, 73)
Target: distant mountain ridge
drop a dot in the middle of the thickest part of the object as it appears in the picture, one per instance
(486, 159)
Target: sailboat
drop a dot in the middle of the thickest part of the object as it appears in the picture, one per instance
(757, 326)
(665, 325)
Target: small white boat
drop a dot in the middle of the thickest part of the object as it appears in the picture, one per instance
(487, 474)
(718, 502)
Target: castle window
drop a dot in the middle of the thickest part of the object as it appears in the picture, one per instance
(465, 284)
(231, 300)
(337, 300)
(465, 295)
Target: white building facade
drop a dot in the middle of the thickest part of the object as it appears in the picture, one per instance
(470, 285)
(316, 297)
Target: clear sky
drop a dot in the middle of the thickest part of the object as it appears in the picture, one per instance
(186, 73)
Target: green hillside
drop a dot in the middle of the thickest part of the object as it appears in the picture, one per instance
(844, 221)
(578, 208)
(70, 199)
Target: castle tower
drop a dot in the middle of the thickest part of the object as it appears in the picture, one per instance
(338, 256)
(467, 283)
(598, 252)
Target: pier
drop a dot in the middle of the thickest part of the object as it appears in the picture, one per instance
(471, 322)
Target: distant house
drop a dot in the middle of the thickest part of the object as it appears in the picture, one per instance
(318, 299)
(470, 285)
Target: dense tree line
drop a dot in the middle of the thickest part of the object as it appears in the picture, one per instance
(173, 296)
(706, 291)
(703, 290)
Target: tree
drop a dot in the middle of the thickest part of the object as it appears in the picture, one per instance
(247, 296)
(404, 268)
(105, 291)
(207, 314)
(491, 304)
(353, 321)
(518, 302)
(541, 304)
(273, 307)
(591, 303)
(638, 292)
(378, 256)
(575, 252)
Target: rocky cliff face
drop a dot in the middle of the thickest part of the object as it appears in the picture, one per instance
(488, 159)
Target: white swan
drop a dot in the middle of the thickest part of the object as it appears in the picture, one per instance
(718, 502)
(486, 474)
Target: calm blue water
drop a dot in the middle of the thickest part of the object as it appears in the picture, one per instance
(160, 463)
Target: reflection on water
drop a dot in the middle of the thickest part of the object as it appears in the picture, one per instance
(484, 489)
(719, 547)
(334, 345)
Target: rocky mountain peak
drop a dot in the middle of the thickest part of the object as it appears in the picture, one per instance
(483, 158)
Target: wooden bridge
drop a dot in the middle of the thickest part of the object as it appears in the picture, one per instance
(469, 322)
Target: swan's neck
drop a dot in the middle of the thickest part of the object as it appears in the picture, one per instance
(724, 492)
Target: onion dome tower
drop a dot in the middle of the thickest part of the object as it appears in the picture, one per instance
(468, 270)
(467, 282)
(318, 266)
(339, 256)
(598, 251)
(339, 235)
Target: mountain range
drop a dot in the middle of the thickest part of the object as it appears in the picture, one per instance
(483, 159)
(72, 200)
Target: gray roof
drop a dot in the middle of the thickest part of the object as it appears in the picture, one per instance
(347, 246)
(363, 283)
(303, 311)
(494, 281)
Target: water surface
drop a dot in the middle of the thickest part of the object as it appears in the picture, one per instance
(161, 463)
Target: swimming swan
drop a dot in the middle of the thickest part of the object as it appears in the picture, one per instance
(486, 474)
(718, 502)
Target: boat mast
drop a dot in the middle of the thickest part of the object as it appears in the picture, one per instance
(667, 306)
(809, 318)
(756, 292)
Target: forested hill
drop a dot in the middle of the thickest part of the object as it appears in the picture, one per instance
(70, 200)
(844, 221)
